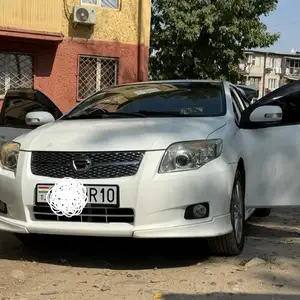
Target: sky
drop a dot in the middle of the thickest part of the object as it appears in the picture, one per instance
(286, 21)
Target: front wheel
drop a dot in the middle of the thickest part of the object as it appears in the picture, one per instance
(232, 244)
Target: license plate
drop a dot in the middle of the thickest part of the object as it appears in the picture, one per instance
(102, 195)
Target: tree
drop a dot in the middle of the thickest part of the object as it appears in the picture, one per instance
(205, 38)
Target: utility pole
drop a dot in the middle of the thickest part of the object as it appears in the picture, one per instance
(264, 75)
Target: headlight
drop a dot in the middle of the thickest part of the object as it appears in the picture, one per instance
(190, 155)
(9, 155)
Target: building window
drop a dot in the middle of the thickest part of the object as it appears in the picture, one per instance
(16, 72)
(94, 74)
(256, 61)
(293, 66)
(254, 82)
(102, 3)
(272, 83)
(271, 62)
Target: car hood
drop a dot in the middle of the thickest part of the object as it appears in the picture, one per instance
(118, 134)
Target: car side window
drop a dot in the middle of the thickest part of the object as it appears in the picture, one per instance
(15, 112)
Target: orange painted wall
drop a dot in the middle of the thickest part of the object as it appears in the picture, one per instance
(56, 67)
(119, 33)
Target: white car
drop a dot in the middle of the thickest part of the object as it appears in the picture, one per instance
(166, 159)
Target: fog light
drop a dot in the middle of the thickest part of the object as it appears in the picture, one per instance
(197, 211)
(3, 207)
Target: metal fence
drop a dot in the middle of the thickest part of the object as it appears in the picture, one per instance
(94, 74)
(16, 71)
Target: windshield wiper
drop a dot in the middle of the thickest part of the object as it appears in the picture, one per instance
(120, 114)
(102, 115)
(161, 113)
(130, 114)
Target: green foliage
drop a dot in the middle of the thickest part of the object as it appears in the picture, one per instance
(205, 38)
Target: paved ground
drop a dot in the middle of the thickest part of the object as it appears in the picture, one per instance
(77, 268)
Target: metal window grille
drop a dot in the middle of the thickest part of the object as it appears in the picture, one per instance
(16, 71)
(94, 74)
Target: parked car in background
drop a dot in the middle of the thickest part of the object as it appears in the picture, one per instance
(184, 159)
(252, 94)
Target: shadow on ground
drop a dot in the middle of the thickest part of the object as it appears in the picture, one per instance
(229, 296)
(109, 253)
(129, 254)
(282, 223)
(258, 230)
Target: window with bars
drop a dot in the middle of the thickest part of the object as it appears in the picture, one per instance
(94, 74)
(102, 3)
(16, 71)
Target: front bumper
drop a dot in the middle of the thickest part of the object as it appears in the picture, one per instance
(217, 226)
(158, 200)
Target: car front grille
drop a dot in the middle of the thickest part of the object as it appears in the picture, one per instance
(102, 164)
(91, 213)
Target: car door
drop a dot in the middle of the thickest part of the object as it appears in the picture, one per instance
(271, 151)
(16, 105)
(238, 107)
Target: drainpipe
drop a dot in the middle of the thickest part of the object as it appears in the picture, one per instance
(264, 75)
(139, 49)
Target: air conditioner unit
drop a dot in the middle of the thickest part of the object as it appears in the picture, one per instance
(84, 15)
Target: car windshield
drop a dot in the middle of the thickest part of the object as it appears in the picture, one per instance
(197, 99)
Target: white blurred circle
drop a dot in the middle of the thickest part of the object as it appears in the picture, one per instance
(68, 197)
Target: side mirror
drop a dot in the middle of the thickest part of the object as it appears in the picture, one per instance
(266, 114)
(38, 118)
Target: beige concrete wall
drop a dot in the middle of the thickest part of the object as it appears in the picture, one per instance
(258, 70)
(129, 24)
(38, 15)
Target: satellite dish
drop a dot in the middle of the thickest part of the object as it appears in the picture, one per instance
(82, 14)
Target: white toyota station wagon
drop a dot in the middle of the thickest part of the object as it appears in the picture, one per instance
(166, 159)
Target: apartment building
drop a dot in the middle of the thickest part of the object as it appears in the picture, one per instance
(69, 49)
(269, 70)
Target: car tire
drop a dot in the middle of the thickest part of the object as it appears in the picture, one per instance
(232, 244)
(262, 212)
